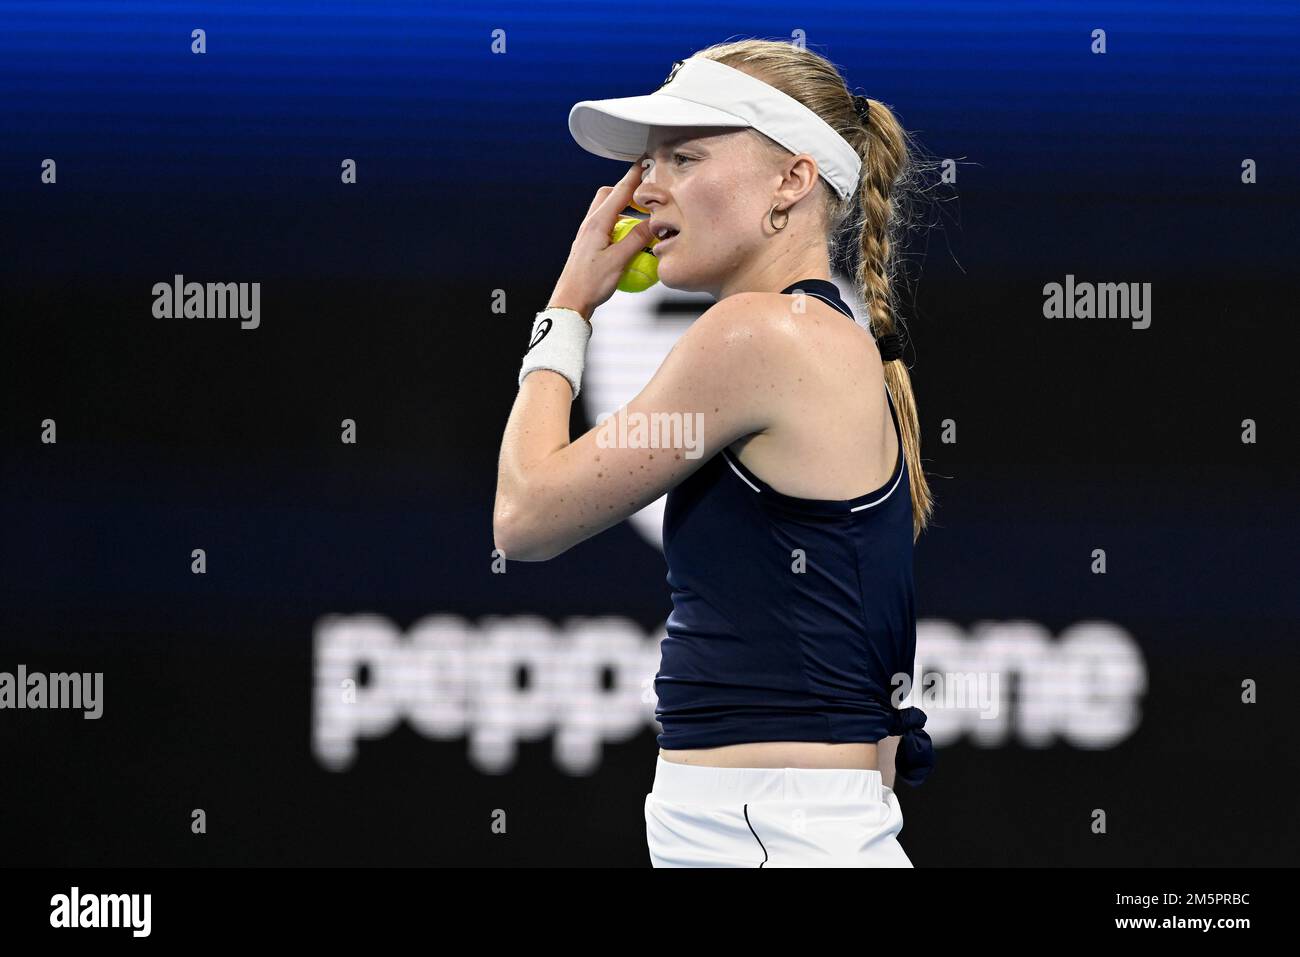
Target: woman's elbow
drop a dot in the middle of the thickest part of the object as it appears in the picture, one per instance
(515, 540)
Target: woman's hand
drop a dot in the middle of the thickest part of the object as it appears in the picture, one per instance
(595, 264)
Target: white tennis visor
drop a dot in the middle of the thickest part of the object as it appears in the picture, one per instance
(703, 92)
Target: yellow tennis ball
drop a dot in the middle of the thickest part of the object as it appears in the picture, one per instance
(643, 271)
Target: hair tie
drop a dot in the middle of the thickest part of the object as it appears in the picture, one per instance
(890, 346)
(862, 106)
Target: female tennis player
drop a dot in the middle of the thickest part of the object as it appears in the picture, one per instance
(789, 540)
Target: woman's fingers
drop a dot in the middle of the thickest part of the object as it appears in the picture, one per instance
(612, 200)
(620, 196)
(595, 203)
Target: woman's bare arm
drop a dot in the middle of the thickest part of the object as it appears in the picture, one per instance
(553, 494)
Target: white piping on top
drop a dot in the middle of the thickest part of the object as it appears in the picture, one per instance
(857, 508)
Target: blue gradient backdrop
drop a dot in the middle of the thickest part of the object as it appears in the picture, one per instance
(454, 140)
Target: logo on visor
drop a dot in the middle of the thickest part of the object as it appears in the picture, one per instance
(677, 65)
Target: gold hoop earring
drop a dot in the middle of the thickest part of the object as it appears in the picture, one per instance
(784, 223)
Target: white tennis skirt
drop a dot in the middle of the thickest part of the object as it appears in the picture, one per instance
(697, 816)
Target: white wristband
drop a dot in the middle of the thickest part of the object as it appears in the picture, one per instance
(558, 342)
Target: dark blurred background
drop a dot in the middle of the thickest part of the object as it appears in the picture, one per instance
(1169, 160)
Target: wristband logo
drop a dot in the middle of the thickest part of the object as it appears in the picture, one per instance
(543, 328)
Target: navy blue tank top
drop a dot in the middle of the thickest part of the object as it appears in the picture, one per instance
(790, 615)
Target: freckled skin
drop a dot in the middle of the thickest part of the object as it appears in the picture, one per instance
(719, 193)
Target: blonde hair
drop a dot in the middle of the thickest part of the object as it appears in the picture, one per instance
(889, 167)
